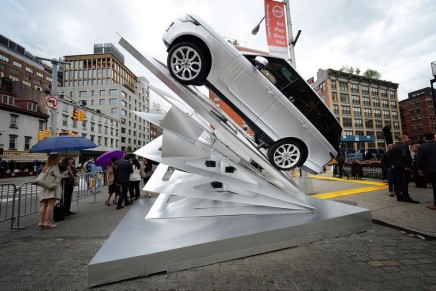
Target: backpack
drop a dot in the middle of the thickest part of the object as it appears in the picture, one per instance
(88, 166)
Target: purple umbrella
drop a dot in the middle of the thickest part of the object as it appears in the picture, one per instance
(105, 158)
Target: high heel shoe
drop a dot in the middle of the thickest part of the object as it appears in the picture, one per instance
(49, 226)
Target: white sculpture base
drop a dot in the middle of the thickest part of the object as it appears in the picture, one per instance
(156, 245)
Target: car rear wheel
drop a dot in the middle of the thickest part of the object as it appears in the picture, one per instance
(286, 154)
(187, 63)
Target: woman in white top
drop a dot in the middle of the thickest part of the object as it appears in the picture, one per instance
(48, 197)
(134, 180)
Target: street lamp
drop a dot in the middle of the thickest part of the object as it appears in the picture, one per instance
(433, 70)
(291, 40)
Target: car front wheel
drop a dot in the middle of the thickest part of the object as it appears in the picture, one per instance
(286, 155)
(187, 63)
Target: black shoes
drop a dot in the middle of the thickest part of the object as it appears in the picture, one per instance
(408, 200)
(120, 207)
(69, 213)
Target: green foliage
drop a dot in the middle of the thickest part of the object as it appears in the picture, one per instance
(373, 74)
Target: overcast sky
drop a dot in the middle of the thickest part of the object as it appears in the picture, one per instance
(395, 37)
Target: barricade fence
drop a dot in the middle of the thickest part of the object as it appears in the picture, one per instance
(23, 200)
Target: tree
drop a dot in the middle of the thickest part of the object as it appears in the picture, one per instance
(373, 74)
(347, 69)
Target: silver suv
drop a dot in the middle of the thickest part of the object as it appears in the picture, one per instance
(288, 117)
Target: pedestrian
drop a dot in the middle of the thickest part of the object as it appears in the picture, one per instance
(341, 158)
(146, 171)
(114, 188)
(48, 197)
(122, 175)
(68, 184)
(420, 181)
(402, 161)
(387, 163)
(426, 163)
(134, 180)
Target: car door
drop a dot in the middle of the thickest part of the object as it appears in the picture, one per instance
(248, 89)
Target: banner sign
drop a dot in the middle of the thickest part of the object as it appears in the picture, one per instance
(275, 22)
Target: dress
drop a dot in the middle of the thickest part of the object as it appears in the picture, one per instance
(57, 192)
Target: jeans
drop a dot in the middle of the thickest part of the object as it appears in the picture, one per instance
(391, 179)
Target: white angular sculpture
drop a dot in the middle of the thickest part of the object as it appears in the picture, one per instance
(215, 206)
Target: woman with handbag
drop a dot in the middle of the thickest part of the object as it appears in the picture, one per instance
(146, 172)
(114, 188)
(48, 197)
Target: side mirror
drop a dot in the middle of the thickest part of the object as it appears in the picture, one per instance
(260, 62)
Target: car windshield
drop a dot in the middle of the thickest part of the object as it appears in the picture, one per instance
(296, 90)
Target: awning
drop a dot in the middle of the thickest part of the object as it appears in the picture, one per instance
(22, 156)
(357, 138)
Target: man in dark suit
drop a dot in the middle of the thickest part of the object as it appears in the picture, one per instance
(367, 155)
(122, 175)
(402, 161)
(426, 163)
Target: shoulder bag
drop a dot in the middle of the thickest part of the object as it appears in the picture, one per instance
(46, 180)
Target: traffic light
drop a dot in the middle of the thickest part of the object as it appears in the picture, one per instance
(75, 116)
(81, 115)
(43, 134)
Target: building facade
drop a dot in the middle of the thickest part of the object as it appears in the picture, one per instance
(363, 106)
(19, 65)
(101, 81)
(21, 116)
(418, 113)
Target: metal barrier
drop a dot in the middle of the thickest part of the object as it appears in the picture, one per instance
(17, 202)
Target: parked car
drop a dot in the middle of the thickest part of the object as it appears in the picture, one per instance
(288, 117)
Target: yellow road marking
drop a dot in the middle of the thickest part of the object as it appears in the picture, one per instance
(339, 193)
(374, 187)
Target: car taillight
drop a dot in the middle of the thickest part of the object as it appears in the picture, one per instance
(189, 18)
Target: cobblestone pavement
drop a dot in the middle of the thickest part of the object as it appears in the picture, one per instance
(383, 258)
(380, 259)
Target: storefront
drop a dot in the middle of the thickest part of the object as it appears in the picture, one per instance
(20, 163)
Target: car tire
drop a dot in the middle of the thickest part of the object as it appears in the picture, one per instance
(187, 63)
(286, 155)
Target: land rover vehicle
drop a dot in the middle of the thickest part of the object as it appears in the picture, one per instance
(288, 117)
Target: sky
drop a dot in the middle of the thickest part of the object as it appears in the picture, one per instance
(395, 37)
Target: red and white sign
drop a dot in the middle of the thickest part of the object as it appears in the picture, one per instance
(275, 22)
(51, 102)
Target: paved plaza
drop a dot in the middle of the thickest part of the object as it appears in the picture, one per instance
(399, 256)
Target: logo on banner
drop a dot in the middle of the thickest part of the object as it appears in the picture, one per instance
(277, 11)
(276, 34)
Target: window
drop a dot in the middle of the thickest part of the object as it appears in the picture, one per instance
(14, 121)
(377, 113)
(333, 84)
(358, 123)
(41, 124)
(346, 110)
(17, 64)
(83, 94)
(354, 88)
(356, 111)
(375, 102)
(27, 140)
(114, 110)
(355, 99)
(347, 122)
(374, 91)
(343, 86)
(38, 74)
(102, 93)
(4, 59)
(334, 96)
(12, 142)
(113, 101)
(8, 100)
(113, 92)
(386, 114)
(101, 101)
(32, 107)
(365, 89)
(385, 103)
(123, 103)
(367, 112)
(344, 98)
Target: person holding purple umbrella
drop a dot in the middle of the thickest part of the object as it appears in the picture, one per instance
(114, 188)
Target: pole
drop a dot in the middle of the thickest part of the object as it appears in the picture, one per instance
(433, 94)
(54, 91)
(291, 42)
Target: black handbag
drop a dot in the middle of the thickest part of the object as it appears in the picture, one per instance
(59, 212)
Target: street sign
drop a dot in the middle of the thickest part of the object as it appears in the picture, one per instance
(51, 102)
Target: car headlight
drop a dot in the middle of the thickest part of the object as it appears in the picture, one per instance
(189, 18)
